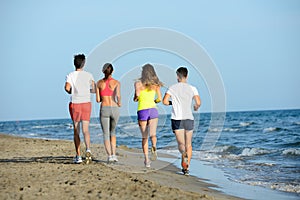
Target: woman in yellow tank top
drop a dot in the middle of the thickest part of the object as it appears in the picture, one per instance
(147, 94)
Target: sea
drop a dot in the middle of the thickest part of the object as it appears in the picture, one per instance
(257, 148)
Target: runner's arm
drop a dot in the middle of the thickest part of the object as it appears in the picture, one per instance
(136, 91)
(68, 88)
(98, 98)
(158, 93)
(118, 94)
(197, 102)
(166, 99)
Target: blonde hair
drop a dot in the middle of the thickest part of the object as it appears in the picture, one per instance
(149, 77)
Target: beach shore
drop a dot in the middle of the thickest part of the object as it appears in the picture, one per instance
(44, 169)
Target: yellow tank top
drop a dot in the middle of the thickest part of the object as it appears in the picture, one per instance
(146, 99)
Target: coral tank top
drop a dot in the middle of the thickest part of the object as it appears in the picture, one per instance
(107, 91)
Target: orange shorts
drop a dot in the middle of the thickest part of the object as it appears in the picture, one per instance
(80, 111)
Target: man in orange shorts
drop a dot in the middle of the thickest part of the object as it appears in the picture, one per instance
(80, 84)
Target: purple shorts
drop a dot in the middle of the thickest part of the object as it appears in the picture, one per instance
(147, 114)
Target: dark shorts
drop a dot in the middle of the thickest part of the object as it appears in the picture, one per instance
(186, 124)
(80, 111)
(147, 114)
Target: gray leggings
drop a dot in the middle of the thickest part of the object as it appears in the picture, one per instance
(109, 116)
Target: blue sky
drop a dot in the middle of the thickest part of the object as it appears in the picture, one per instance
(255, 45)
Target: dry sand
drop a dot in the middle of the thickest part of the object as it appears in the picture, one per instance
(44, 169)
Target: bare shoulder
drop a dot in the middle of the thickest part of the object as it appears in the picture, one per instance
(116, 81)
(138, 83)
(100, 81)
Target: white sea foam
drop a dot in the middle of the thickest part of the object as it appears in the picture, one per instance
(214, 130)
(233, 157)
(96, 125)
(253, 151)
(32, 134)
(291, 152)
(276, 186)
(207, 156)
(230, 129)
(286, 187)
(69, 126)
(270, 129)
(220, 149)
(47, 126)
(245, 123)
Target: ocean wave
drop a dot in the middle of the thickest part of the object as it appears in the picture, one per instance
(285, 187)
(245, 123)
(96, 125)
(265, 164)
(69, 126)
(220, 149)
(292, 144)
(214, 130)
(32, 134)
(270, 129)
(130, 126)
(297, 123)
(291, 152)
(46, 126)
(206, 156)
(253, 151)
(230, 129)
(232, 157)
(227, 129)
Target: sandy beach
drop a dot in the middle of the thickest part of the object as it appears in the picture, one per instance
(44, 169)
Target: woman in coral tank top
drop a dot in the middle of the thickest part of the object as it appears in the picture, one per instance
(108, 93)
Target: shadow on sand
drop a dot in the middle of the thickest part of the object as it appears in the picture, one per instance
(45, 159)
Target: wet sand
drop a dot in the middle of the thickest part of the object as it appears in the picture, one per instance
(44, 169)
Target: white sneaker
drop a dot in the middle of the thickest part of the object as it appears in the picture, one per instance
(114, 157)
(110, 159)
(78, 159)
(147, 164)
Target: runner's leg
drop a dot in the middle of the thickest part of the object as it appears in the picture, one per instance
(76, 126)
(188, 144)
(86, 133)
(144, 131)
(152, 124)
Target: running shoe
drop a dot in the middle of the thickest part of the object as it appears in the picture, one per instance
(147, 164)
(78, 160)
(88, 156)
(185, 161)
(153, 154)
(186, 172)
(115, 159)
(110, 159)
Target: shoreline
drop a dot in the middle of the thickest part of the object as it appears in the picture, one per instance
(42, 168)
